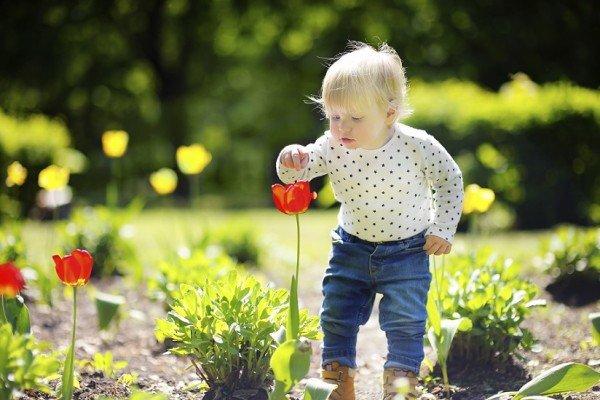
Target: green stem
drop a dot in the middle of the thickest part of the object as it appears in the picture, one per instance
(194, 189)
(446, 381)
(74, 320)
(68, 374)
(472, 231)
(4, 317)
(297, 246)
(437, 287)
(112, 190)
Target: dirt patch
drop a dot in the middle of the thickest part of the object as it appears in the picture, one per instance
(562, 333)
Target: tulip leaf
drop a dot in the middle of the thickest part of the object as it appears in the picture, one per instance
(316, 389)
(290, 362)
(567, 377)
(293, 321)
(595, 318)
(17, 314)
(67, 378)
(279, 391)
(280, 335)
(107, 308)
(441, 343)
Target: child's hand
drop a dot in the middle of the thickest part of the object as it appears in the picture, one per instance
(294, 156)
(436, 245)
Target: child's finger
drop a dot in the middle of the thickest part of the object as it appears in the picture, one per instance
(441, 250)
(296, 158)
(434, 248)
(287, 160)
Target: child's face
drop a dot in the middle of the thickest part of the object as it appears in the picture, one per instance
(366, 128)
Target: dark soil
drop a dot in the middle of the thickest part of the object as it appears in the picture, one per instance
(576, 289)
(563, 335)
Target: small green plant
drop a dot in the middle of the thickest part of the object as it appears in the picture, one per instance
(227, 328)
(104, 363)
(108, 309)
(105, 233)
(23, 365)
(441, 331)
(564, 378)
(486, 289)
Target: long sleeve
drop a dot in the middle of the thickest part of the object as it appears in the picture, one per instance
(445, 179)
(317, 163)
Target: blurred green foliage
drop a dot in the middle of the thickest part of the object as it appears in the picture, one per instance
(106, 234)
(534, 145)
(233, 76)
(572, 250)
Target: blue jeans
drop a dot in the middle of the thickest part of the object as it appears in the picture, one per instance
(359, 269)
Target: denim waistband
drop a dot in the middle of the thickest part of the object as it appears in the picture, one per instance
(348, 237)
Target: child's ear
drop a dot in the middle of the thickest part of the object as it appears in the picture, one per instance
(391, 115)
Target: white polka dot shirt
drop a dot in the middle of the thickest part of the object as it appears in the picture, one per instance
(408, 185)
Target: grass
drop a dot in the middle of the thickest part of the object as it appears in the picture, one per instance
(162, 230)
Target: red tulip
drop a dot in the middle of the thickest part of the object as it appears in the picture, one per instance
(11, 280)
(74, 269)
(294, 198)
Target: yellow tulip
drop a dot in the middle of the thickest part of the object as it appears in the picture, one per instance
(477, 199)
(163, 181)
(53, 177)
(193, 159)
(114, 143)
(16, 174)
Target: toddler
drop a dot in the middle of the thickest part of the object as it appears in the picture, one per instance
(401, 197)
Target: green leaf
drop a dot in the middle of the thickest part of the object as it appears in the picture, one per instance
(293, 322)
(595, 318)
(433, 313)
(290, 362)
(107, 308)
(279, 391)
(316, 389)
(441, 343)
(280, 335)
(67, 378)
(567, 377)
(17, 314)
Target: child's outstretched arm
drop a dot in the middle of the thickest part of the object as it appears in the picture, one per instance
(296, 162)
(445, 178)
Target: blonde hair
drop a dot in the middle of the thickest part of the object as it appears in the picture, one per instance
(364, 76)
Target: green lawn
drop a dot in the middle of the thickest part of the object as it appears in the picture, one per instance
(159, 231)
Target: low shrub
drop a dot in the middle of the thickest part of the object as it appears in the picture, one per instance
(486, 288)
(227, 328)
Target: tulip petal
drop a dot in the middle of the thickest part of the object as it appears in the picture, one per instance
(59, 266)
(85, 261)
(11, 280)
(72, 270)
(298, 197)
(279, 194)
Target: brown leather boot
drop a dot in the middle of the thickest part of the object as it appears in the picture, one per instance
(342, 376)
(391, 378)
